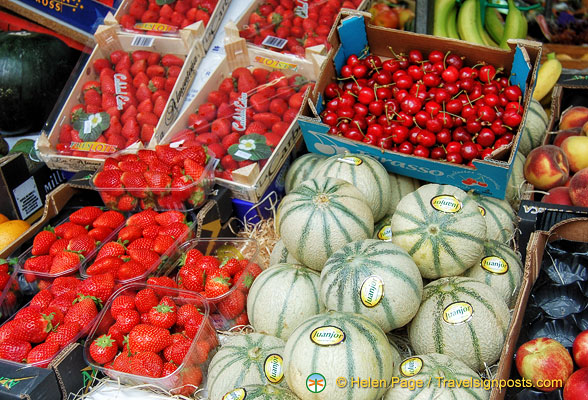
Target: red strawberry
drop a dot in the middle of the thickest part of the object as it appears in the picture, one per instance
(192, 278)
(14, 350)
(162, 281)
(130, 129)
(147, 118)
(33, 326)
(84, 244)
(98, 234)
(64, 284)
(169, 60)
(242, 319)
(147, 131)
(65, 261)
(85, 216)
(170, 217)
(246, 83)
(129, 233)
(92, 98)
(147, 363)
(208, 263)
(42, 354)
(166, 153)
(126, 320)
(145, 337)
(42, 299)
(82, 312)
(232, 267)
(163, 244)
(192, 326)
(188, 312)
(260, 102)
(256, 127)
(64, 334)
(266, 118)
(139, 79)
(142, 219)
(39, 263)
(177, 230)
(164, 314)
(114, 249)
(126, 203)
(140, 243)
(130, 269)
(117, 336)
(147, 257)
(69, 230)
(193, 169)
(109, 180)
(232, 305)
(290, 115)
(130, 113)
(159, 106)
(122, 362)
(98, 286)
(120, 303)
(100, 64)
(109, 219)
(132, 166)
(217, 284)
(103, 265)
(135, 184)
(168, 369)
(190, 258)
(151, 231)
(179, 350)
(43, 241)
(103, 349)
(145, 300)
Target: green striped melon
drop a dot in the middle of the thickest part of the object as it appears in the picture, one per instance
(500, 218)
(515, 183)
(320, 216)
(301, 169)
(280, 254)
(374, 278)
(400, 186)
(535, 128)
(363, 172)
(441, 228)
(334, 345)
(501, 268)
(260, 392)
(462, 318)
(444, 373)
(283, 296)
(245, 360)
(382, 230)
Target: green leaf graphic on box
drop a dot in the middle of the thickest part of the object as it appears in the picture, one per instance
(251, 147)
(91, 126)
(162, 2)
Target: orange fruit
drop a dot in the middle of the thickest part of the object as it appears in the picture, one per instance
(11, 230)
(3, 218)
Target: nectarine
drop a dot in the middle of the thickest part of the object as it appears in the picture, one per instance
(579, 188)
(546, 167)
(576, 150)
(558, 195)
(573, 117)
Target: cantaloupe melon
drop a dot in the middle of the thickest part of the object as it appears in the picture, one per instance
(515, 183)
(260, 392)
(400, 186)
(283, 296)
(320, 216)
(374, 278)
(462, 318)
(535, 128)
(441, 228)
(363, 172)
(332, 345)
(500, 218)
(280, 254)
(301, 169)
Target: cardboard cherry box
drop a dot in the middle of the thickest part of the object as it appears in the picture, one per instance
(109, 40)
(354, 35)
(247, 182)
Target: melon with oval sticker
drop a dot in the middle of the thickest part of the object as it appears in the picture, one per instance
(251, 359)
(501, 268)
(374, 278)
(383, 229)
(332, 345)
(301, 170)
(463, 318)
(320, 216)
(437, 376)
(283, 296)
(441, 228)
(260, 392)
(400, 186)
(500, 218)
(363, 172)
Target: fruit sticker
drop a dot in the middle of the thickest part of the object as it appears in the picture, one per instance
(120, 86)
(495, 265)
(153, 26)
(250, 147)
(237, 394)
(458, 313)
(301, 9)
(93, 146)
(411, 366)
(353, 160)
(268, 62)
(482, 211)
(91, 126)
(372, 291)
(327, 335)
(272, 367)
(240, 117)
(446, 203)
(385, 233)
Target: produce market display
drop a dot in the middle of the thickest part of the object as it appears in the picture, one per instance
(292, 199)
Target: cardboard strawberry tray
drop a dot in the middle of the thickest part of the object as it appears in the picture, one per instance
(291, 26)
(130, 90)
(355, 36)
(172, 18)
(245, 114)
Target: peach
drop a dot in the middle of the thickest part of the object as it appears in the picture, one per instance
(558, 195)
(585, 129)
(579, 188)
(563, 135)
(546, 167)
(576, 150)
(573, 117)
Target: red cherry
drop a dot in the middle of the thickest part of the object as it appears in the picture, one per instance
(400, 95)
(383, 93)
(487, 73)
(360, 71)
(486, 153)
(511, 119)
(346, 71)
(421, 118)
(432, 79)
(352, 60)
(391, 65)
(353, 134)
(436, 56)
(399, 134)
(404, 82)
(385, 143)
(460, 134)
(330, 118)
(345, 112)
(454, 60)
(454, 106)
(434, 125)
(473, 125)
(406, 148)
(486, 137)
(361, 110)
(437, 153)
(376, 107)
(376, 130)
(443, 136)
(453, 147)
(415, 56)
(373, 61)
(383, 77)
(513, 93)
(421, 151)
(366, 95)
(469, 151)
(492, 100)
(411, 105)
(332, 90)
(432, 107)
(415, 72)
(499, 143)
(486, 113)
(497, 127)
(454, 157)
(451, 74)
(426, 138)
(442, 96)
(371, 139)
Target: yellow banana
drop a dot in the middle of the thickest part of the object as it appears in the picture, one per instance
(442, 10)
(494, 24)
(452, 24)
(466, 22)
(483, 34)
(547, 77)
(515, 26)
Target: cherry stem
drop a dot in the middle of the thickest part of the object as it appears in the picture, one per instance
(398, 57)
(468, 97)
(481, 97)
(359, 128)
(457, 94)
(455, 115)
(445, 58)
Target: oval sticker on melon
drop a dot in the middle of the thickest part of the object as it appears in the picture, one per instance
(446, 203)
(495, 265)
(327, 335)
(482, 211)
(237, 394)
(411, 366)
(458, 313)
(351, 160)
(385, 233)
(372, 291)
(273, 368)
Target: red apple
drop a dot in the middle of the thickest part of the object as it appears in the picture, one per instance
(576, 387)
(580, 349)
(545, 362)
(558, 195)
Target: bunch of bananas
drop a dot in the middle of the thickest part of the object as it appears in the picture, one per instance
(465, 22)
